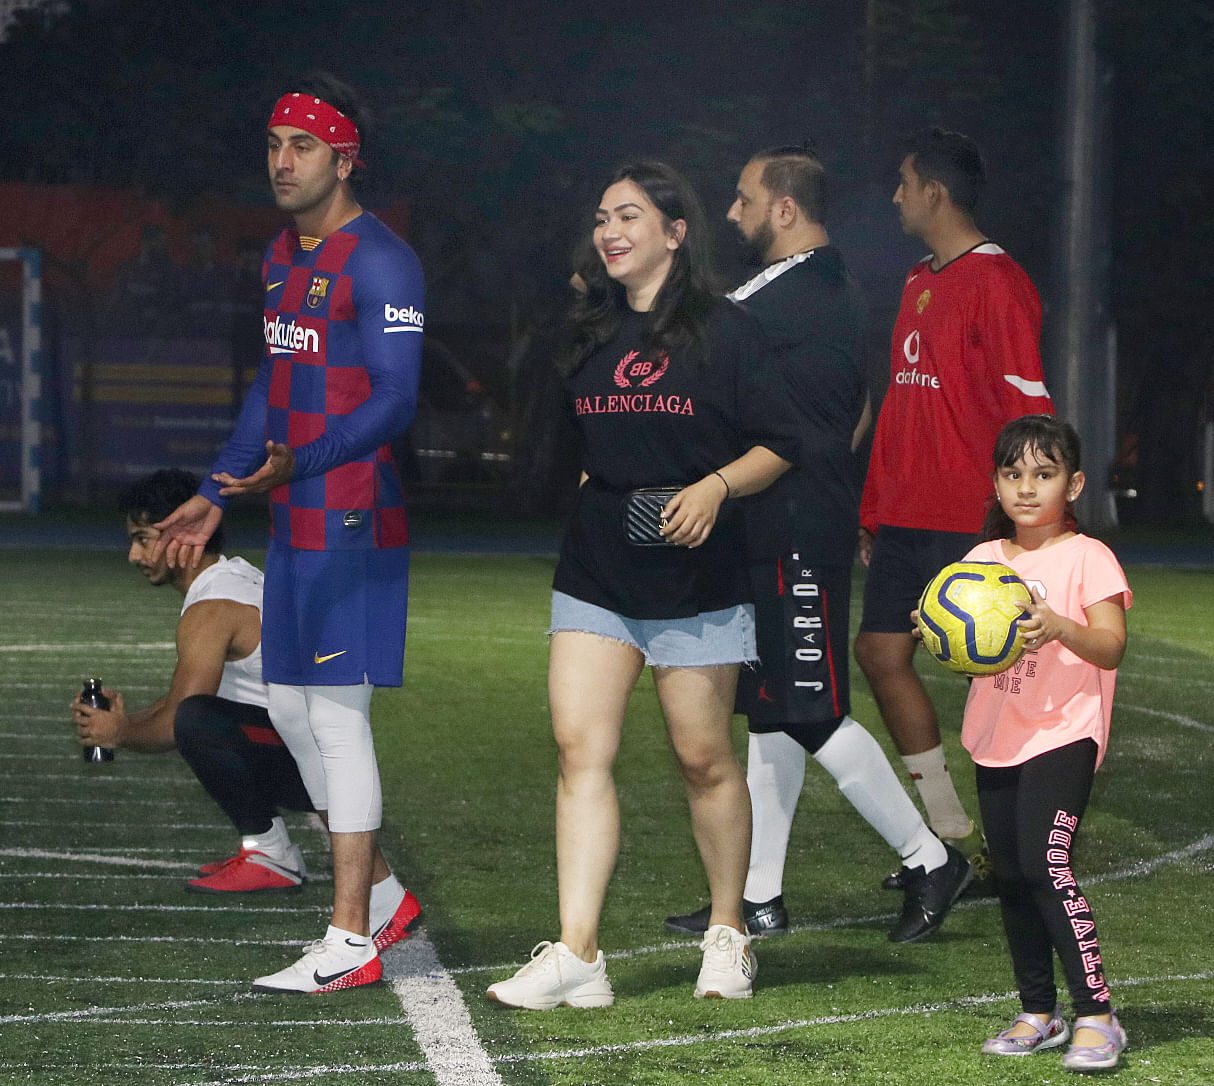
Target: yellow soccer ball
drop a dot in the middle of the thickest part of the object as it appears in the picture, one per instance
(968, 613)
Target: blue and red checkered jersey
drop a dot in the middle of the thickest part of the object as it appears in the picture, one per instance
(343, 329)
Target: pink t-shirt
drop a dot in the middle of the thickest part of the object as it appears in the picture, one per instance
(1050, 697)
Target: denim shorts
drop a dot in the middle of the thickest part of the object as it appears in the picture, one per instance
(705, 640)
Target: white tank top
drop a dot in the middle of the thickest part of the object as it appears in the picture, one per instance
(237, 580)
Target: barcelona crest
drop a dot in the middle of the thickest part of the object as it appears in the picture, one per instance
(317, 291)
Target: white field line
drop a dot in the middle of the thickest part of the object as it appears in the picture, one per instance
(201, 940)
(91, 1013)
(1119, 705)
(116, 876)
(1145, 658)
(145, 783)
(70, 687)
(75, 876)
(63, 719)
(436, 1010)
(111, 824)
(1175, 718)
(1138, 869)
(114, 801)
(810, 1023)
(302, 1074)
(24, 756)
(100, 854)
(59, 685)
(75, 906)
(81, 646)
(1134, 676)
(41, 737)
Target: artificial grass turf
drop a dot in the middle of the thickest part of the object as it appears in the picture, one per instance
(469, 771)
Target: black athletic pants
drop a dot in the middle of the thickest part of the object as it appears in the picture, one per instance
(1030, 813)
(240, 760)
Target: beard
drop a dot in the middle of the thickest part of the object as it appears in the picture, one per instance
(758, 245)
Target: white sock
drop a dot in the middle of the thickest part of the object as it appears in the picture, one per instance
(926, 851)
(350, 943)
(386, 896)
(274, 843)
(775, 772)
(944, 810)
(863, 773)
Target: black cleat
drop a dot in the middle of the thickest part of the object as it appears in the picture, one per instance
(929, 896)
(975, 849)
(896, 880)
(762, 918)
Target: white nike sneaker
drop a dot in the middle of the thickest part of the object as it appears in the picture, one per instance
(729, 967)
(555, 977)
(339, 960)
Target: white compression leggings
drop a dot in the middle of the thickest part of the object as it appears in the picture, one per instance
(327, 729)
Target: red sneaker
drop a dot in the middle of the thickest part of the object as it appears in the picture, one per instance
(248, 872)
(216, 865)
(407, 916)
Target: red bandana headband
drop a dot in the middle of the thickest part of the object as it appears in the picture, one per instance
(321, 119)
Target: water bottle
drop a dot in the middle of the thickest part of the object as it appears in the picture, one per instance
(93, 695)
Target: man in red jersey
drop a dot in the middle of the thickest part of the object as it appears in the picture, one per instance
(965, 361)
(343, 320)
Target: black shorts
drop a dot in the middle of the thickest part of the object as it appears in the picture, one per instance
(903, 561)
(801, 629)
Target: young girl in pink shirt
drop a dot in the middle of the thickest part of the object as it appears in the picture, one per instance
(1038, 731)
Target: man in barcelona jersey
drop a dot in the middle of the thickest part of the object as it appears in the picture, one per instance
(343, 328)
(964, 362)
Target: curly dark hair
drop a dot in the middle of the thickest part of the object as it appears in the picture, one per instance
(153, 497)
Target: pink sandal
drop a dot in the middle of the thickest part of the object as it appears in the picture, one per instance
(1051, 1035)
(1099, 1057)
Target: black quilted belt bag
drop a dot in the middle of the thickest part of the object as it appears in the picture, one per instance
(642, 511)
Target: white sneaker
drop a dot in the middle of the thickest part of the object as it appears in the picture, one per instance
(729, 966)
(339, 960)
(555, 977)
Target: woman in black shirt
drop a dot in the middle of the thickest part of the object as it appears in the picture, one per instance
(665, 386)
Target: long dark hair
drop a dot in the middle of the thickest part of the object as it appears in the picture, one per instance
(1047, 436)
(685, 298)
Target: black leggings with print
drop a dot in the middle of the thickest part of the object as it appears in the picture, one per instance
(1030, 813)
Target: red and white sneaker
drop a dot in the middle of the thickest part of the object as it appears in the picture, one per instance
(336, 962)
(251, 872)
(407, 916)
(215, 865)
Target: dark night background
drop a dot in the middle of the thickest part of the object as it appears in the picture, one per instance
(494, 125)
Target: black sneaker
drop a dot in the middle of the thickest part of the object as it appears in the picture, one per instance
(762, 918)
(767, 918)
(929, 896)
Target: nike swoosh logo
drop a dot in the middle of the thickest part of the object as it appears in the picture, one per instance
(271, 286)
(356, 945)
(322, 981)
(318, 659)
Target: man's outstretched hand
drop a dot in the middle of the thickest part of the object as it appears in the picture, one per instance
(185, 531)
(277, 470)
